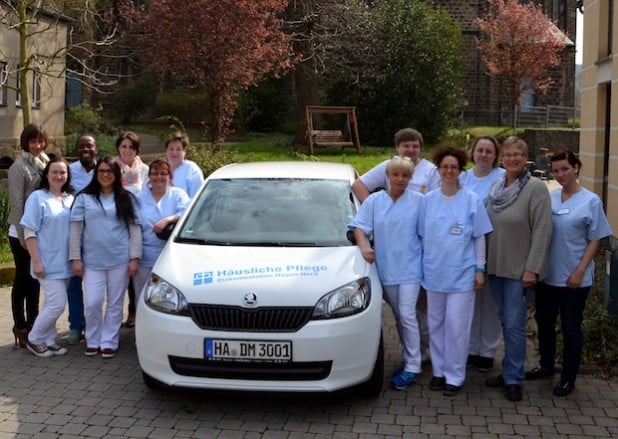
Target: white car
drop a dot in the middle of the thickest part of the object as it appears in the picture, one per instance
(259, 288)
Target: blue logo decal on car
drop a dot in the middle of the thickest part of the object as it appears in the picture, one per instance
(205, 277)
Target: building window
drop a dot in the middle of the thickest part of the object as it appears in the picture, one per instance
(35, 90)
(3, 80)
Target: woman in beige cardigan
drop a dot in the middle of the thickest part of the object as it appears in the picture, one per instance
(24, 177)
(520, 211)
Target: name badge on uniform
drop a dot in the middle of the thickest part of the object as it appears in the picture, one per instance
(455, 230)
(563, 211)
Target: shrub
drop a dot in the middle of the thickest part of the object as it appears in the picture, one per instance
(189, 107)
(210, 158)
(83, 118)
(132, 101)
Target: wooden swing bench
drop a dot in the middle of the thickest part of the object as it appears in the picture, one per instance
(306, 135)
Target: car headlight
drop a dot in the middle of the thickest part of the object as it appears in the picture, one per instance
(163, 297)
(349, 299)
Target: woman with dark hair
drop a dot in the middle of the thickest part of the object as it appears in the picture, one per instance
(579, 225)
(24, 177)
(134, 173)
(160, 205)
(46, 230)
(485, 332)
(105, 248)
(453, 224)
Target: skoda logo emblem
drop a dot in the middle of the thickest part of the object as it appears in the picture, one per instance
(249, 299)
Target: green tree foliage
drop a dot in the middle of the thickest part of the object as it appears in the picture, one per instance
(399, 62)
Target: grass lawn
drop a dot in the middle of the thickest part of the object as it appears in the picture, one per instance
(279, 147)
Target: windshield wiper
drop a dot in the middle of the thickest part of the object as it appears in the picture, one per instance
(201, 241)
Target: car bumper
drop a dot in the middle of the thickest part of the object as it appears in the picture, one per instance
(327, 355)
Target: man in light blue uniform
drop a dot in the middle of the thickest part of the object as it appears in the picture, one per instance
(82, 171)
(408, 143)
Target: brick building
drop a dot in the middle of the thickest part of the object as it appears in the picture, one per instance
(483, 92)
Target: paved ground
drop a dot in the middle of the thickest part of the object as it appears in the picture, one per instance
(76, 396)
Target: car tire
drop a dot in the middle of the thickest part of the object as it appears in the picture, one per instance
(151, 383)
(373, 386)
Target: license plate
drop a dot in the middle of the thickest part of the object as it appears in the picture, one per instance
(247, 350)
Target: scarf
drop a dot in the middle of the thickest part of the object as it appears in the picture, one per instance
(37, 163)
(130, 174)
(500, 196)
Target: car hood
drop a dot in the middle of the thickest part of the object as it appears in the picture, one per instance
(278, 276)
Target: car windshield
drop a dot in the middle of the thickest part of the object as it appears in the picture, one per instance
(271, 212)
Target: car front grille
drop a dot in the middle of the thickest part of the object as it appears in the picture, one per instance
(233, 318)
(297, 371)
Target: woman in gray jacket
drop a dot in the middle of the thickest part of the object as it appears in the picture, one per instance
(517, 251)
(24, 177)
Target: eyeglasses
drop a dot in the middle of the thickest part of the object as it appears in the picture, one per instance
(449, 167)
(512, 155)
(105, 171)
(159, 174)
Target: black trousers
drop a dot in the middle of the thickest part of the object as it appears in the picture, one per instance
(25, 291)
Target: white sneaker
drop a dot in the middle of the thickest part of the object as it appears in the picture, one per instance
(56, 349)
(40, 350)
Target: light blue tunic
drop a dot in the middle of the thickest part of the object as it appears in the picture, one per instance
(105, 240)
(480, 186)
(448, 228)
(394, 227)
(49, 218)
(79, 177)
(174, 202)
(189, 177)
(577, 221)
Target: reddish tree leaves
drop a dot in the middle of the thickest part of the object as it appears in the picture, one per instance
(520, 44)
(219, 46)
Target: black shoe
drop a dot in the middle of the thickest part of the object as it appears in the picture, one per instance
(437, 383)
(484, 364)
(472, 360)
(513, 392)
(451, 390)
(563, 388)
(539, 372)
(497, 381)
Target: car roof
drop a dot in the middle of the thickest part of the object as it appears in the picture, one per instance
(308, 170)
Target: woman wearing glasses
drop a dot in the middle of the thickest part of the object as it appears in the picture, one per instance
(160, 205)
(453, 224)
(392, 217)
(105, 248)
(485, 332)
(520, 210)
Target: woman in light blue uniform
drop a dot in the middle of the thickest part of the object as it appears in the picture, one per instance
(46, 230)
(453, 224)
(485, 332)
(392, 217)
(105, 248)
(159, 205)
(579, 225)
(187, 174)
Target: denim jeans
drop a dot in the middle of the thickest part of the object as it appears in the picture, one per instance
(512, 300)
(75, 296)
(570, 302)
